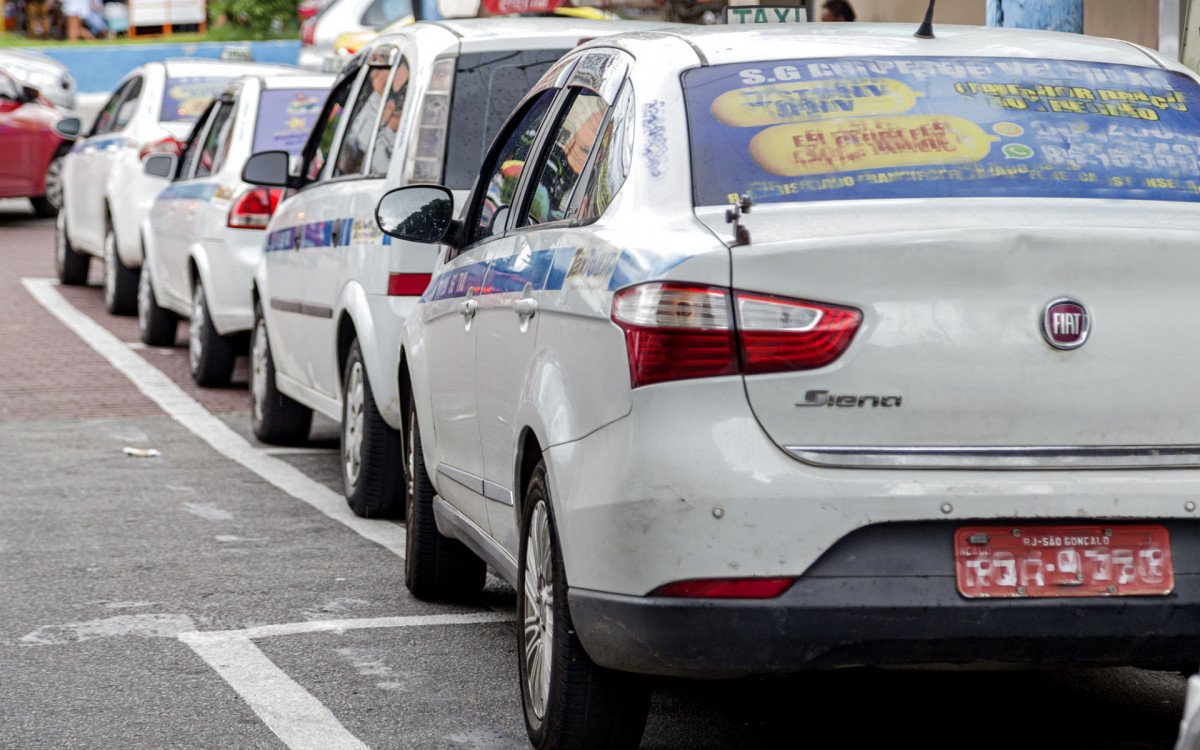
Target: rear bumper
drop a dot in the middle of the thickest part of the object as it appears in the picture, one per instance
(886, 594)
(832, 622)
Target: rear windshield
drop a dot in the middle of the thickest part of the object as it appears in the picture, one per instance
(487, 87)
(184, 99)
(927, 127)
(286, 117)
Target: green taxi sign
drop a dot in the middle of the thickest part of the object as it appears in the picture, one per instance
(747, 15)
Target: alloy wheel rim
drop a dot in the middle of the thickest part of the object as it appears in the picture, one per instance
(110, 268)
(258, 369)
(53, 185)
(352, 425)
(410, 484)
(196, 331)
(60, 243)
(144, 300)
(538, 610)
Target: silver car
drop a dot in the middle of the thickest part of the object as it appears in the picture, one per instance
(47, 75)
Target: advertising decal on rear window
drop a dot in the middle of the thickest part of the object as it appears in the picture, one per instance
(848, 129)
(184, 99)
(286, 117)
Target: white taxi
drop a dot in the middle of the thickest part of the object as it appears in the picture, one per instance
(419, 105)
(105, 193)
(203, 236)
(758, 351)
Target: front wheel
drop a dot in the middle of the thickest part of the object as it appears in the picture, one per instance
(274, 417)
(120, 281)
(49, 204)
(71, 266)
(210, 354)
(156, 325)
(570, 703)
(372, 474)
(435, 567)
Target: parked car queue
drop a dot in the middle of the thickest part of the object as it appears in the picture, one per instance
(735, 351)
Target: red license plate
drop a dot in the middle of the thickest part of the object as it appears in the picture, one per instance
(1047, 561)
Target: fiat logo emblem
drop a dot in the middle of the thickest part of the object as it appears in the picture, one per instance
(1065, 324)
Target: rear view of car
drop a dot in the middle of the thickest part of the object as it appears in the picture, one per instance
(105, 194)
(203, 236)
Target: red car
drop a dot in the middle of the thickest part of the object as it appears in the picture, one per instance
(32, 148)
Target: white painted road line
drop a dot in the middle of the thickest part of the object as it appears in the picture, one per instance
(296, 717)
(195, 418)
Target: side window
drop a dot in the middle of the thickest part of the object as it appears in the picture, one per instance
(206, 164)
(128, 105)
(108, 115)
(389, 121)
(360, 128)
(191, 150)
(321, 141)
(566, 156)
(226, 137)
(502, 174)
(614, 158)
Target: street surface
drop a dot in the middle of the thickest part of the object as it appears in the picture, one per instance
(223, 596)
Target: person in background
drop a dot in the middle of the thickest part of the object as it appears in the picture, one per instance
(83, 19)
(37, 19)
(837, 10)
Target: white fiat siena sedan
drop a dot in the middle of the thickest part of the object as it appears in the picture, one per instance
(419, 105)
(203, 236)
(757, 351)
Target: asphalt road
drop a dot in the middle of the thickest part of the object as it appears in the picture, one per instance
(108, 562)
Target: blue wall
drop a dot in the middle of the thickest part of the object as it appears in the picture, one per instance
(1049, 15)
(100, 67)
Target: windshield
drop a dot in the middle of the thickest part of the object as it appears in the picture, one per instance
(487, 88)
(184, 99)
(285, 118)
(847, 129)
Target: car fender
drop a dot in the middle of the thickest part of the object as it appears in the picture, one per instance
(148, 252)
(353, 302)
(413, 359)
(198, 254)
(122, 211)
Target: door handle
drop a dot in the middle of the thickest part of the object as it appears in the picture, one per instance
(526, 307)
(468, 308)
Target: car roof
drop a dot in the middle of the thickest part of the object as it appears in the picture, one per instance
(533, 28)
(301, 80)
(720, 44)
(184, 67)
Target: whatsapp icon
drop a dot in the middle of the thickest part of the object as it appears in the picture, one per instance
(1018, 151)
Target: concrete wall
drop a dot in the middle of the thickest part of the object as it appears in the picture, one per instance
(1132, 20)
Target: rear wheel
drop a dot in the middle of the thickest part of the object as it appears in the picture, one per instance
(274, 417)
(372, 473)
(120, 281)
(71, 266)
(210, 354)
(157, 325)
(435, 567)
(569, 702)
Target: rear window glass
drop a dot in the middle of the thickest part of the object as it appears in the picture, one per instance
(184, 99)
(487, 88)
(286, 117)
(847, 129)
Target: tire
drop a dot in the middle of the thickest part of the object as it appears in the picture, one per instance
(274, 417)
(70, 266)
(120, 281)
(157, 326)
(435, 567)
(569, 703)
(372, 469)
(48, 204)
(210, 355)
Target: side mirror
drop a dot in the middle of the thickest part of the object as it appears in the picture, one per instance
(160, 165)
(417, 213)
(268, 168)
(69, 128)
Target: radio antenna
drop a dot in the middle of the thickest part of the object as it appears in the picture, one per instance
(926, 29)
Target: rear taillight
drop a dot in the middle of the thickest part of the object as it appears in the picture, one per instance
(308, 33)
(166, 145)
(407, 284)
(781, 335)
(725, 588)
(681, 331)
(676, 332)
(429, 155)
(253, 209)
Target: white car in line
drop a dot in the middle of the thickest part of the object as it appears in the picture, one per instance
(105, 193)
(319, 34)
(202, 238)
(756, 351)
(417, 106)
